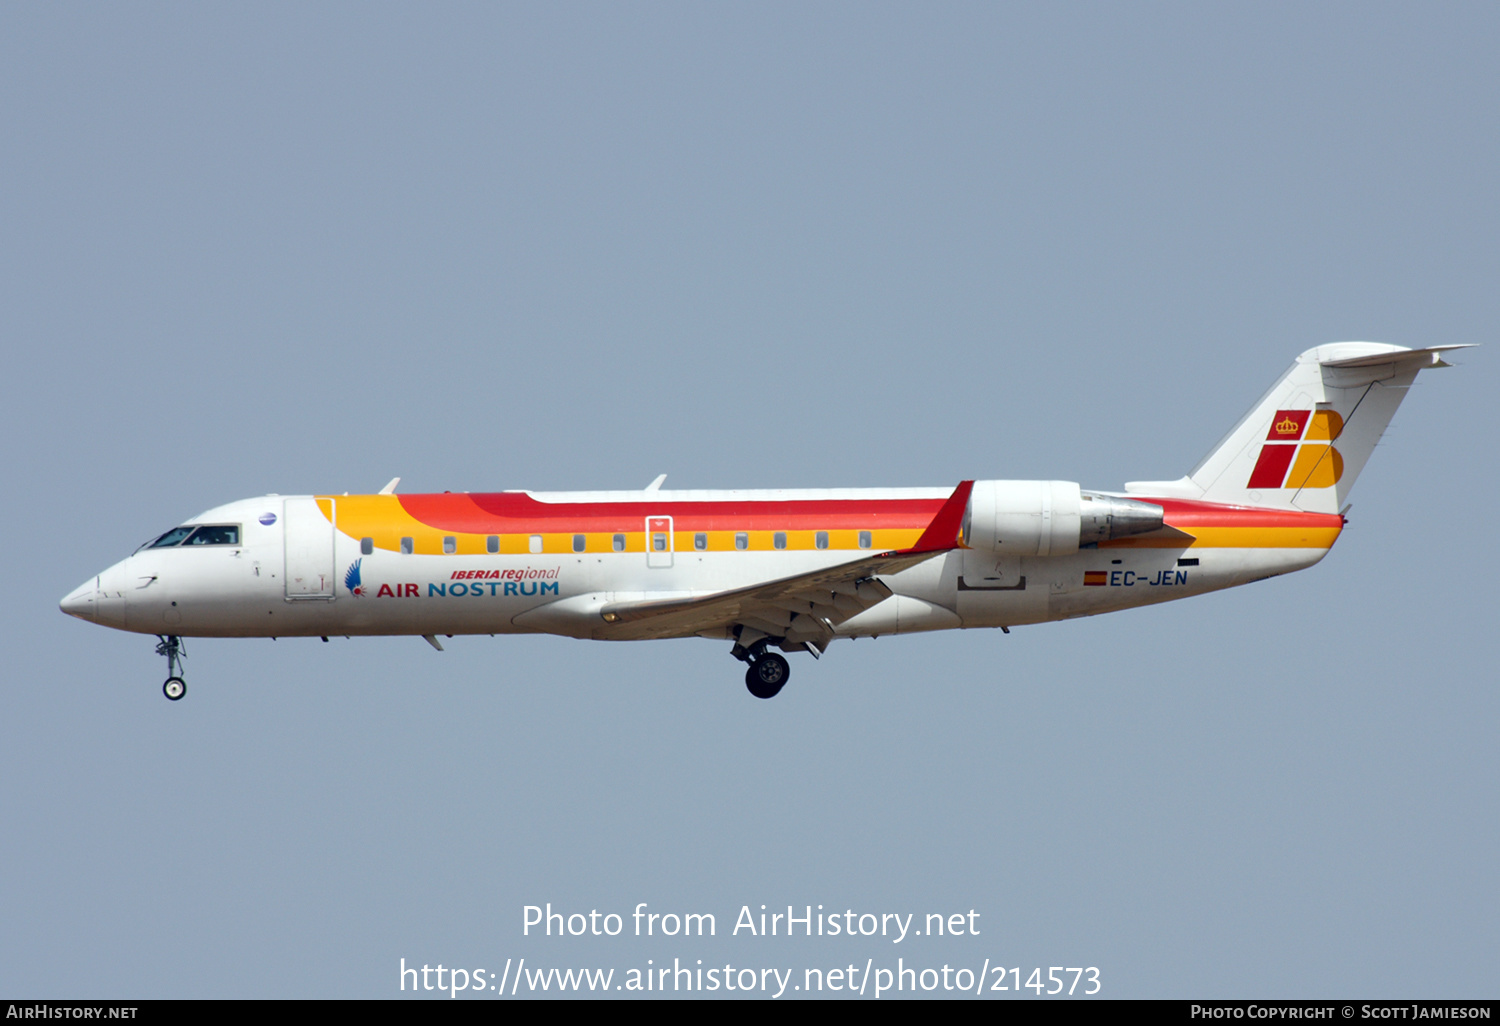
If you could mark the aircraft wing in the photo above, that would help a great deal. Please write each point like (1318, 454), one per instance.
(805, 607)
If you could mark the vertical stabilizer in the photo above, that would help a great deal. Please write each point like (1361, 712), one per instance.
(1304, 443)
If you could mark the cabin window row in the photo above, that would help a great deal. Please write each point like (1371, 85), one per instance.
(617, 543)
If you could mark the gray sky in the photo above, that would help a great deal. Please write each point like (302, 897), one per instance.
(306, 248)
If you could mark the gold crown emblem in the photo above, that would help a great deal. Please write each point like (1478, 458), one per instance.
(1287, 426)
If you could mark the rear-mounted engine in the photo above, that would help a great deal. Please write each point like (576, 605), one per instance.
(1050, 518)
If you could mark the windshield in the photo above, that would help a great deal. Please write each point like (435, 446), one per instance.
(171, 538)
(194, 534)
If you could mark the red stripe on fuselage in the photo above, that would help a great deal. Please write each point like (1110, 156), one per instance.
(1189, 513)
(518, 513)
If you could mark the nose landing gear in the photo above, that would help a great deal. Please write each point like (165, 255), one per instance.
(171, 646)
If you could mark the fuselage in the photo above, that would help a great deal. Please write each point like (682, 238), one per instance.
(519, 562)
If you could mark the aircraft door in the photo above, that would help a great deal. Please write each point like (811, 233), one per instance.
(659, 541)
(309, 549)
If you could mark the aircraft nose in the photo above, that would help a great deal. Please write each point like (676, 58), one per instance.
(100, 600)
(82, 601)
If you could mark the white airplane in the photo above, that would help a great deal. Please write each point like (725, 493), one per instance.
(791, 570)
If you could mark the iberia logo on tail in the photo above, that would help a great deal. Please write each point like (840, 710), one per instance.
(1290, 460)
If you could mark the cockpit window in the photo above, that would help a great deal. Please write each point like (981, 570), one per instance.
(208, 534)
(171, 538)
(215, 534)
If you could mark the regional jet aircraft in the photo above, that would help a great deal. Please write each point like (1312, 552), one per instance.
(770, 571)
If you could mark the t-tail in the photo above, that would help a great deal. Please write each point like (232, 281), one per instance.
(1304, 443)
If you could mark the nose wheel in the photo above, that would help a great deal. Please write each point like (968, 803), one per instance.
(171, 646)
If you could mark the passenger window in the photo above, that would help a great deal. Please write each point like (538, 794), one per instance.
(406, 546)
(492, 544)
(216, 535)
(172, 537)
(450, 545)
(366, 546)
(864, 539)
(580, 542)
(741, 540)
(618, 543)
(659, 542)
(779, 539)
(821, 539)
(700, 541)
(536, 543)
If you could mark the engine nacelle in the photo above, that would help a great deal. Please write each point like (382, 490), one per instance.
(1049, 518)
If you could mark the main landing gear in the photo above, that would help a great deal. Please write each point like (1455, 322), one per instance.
(171, 646)
(768, 671)
(767, 674)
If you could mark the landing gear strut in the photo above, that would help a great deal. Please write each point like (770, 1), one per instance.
(171, 646)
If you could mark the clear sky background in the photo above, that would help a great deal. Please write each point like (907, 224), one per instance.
(297, 248)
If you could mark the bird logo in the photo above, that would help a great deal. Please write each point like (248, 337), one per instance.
(351, 579)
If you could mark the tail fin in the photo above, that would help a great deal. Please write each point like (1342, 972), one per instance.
(1304, 443)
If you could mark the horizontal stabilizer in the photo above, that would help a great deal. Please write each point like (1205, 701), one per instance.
(1432, 356)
